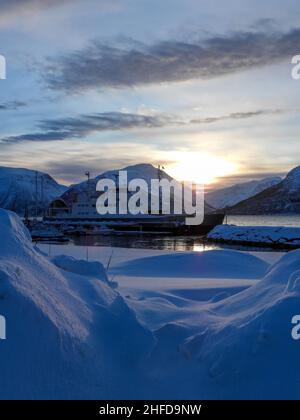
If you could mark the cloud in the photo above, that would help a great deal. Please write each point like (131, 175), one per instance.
(80, 127)
(236, 116)
(26, 8)
(12, 106)
(72, 170)
(9, 6)
(20, 11)
(133, 64)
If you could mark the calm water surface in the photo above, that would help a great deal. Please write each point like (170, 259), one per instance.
(184, 243)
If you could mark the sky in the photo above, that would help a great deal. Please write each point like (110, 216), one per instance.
(202, 89)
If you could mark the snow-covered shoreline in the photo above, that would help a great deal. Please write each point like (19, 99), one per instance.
(212, 325)
(263, 236)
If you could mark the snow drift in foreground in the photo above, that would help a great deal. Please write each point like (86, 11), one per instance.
(68, 335)
(268, 235)
(71, 335)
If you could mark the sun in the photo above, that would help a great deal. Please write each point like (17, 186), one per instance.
(201, 168)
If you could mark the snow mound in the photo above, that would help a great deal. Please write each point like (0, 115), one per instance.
(12, 230)
(246, 344)
(281, 271)
(217, 264)
(68, 336)
(84, 268)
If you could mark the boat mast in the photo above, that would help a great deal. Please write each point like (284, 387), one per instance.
(36, 194)
(160, 167)
(42, 195)
(159, 173)
(88, 175)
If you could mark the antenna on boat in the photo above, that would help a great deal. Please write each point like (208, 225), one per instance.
(88, 175)
(160, 168)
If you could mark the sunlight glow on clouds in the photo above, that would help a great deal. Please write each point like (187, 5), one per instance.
(201, 168)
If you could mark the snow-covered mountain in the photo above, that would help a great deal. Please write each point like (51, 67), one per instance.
(280, 199)
(143, 171)
(18, 189)
(227, 197)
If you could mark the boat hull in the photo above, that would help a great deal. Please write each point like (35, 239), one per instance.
(159, 224)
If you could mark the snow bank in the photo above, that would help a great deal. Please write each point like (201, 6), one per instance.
(68, 336)
(84, 268)
(246, 344)
(259, 235)
(231, 347)
(216, 264)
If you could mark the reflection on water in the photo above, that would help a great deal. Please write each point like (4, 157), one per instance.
(171, 243)
(185, 243)
(164, 243)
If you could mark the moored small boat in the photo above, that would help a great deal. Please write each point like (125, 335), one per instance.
(41, 232)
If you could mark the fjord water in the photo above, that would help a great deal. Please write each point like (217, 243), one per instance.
(184, 243)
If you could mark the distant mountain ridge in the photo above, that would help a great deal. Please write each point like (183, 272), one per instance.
(267, 196)
(230, 196)
(282, 198)
(18, 189)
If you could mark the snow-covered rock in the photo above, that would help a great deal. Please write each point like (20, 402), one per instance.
(274, 236)
(18, 189)
(227, 197)
(282, 198)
